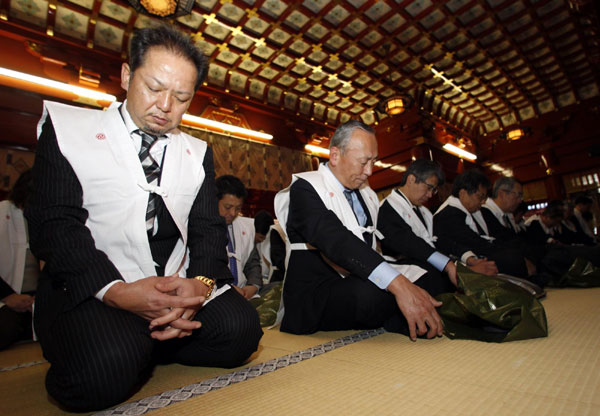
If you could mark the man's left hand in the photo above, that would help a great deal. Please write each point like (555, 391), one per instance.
(450, 269)
(178, 322)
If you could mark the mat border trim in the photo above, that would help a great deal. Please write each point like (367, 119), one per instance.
(168, 398)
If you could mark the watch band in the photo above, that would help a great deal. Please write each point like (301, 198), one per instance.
(210, 283)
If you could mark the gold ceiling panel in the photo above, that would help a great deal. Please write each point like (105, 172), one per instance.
(480, 65)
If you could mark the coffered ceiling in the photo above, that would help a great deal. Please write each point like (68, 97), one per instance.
(480, 65)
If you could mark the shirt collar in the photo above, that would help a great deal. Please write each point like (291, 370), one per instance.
(342, 187)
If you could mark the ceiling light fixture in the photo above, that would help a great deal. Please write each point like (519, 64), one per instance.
(395, 105)
(516, 134)
(49, 87)
(316, 150)
(163, 8)
(450, 148)
(212, 125)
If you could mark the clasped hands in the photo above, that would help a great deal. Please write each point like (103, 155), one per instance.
(168, 302)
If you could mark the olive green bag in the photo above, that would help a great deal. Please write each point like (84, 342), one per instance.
(492, 310)
(581, 274)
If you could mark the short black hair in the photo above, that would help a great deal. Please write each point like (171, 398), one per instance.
(470, 181)
(554, 210)
(229, 184)
(423, 169)
(583, 200)
(522, 208)
(263, 221)
(173, 40)
(21, 190)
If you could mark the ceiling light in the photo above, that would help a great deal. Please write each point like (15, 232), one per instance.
(163, 8)
(459, 152)
(395, 105)
(217, 126)
(33, 83)
(316, 150)
(515, 134)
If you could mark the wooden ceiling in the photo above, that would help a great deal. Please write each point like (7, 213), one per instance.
(474, 68)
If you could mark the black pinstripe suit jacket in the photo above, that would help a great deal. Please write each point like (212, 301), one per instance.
(59, 237)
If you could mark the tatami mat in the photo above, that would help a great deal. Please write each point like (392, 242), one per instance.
(26, 385)
(385, 374)
(389, 374)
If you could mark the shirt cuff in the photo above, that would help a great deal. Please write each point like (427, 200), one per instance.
(383, 275)
(466, 256)
(438, 260)
(102, 292)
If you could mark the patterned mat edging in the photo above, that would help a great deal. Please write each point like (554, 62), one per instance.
(187, 392)
(23, 365)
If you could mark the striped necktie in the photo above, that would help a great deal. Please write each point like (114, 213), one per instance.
(152, 171)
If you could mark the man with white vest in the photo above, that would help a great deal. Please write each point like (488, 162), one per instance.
(459, 220)
(244, 261)
(124, 216)
(335, 279)
(407, 225)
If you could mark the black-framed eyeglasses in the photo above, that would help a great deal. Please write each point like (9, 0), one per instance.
(431, 188)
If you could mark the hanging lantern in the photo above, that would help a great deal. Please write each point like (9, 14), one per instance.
(163, 8)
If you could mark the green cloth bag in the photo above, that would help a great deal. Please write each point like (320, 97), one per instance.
(491, 310)
(268, 305)
(581, 274)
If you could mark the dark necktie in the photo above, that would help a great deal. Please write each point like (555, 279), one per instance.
(232, 260)
(418, 212)
(152, 171)
(479, 229)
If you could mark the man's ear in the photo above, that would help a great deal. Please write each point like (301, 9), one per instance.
(125, 76)
(334, 155)
(411, 179)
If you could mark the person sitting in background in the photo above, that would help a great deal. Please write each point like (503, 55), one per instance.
(19, 269)
(507, 194)
(518, 217)
(244, 261)
(407, 225)
(459, 220)
(583, 209)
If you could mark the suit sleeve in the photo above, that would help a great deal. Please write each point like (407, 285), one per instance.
(253, 269)
(311, 222)
(207, 232)
(399, 238)
(454, 235)
(57, 231)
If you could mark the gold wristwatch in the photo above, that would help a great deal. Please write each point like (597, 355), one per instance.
(208, 282)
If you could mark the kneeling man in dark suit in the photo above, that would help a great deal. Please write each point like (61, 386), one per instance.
(335, 278)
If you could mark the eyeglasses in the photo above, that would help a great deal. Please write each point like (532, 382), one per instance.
(480, 196)
(431, 188)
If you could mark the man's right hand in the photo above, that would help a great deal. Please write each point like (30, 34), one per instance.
(483, 266)
(19, 303)
(418, 307)
(144, 299)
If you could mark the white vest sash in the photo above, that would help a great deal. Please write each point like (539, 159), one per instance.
(115, 191)
(406, 212)
(243, 235)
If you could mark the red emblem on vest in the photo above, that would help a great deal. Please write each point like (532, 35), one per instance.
(188, 152)
(100, 136)
(331, 194)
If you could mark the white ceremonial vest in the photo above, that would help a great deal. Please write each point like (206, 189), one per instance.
(264, 250)
(328, 189)
(13, 245)
(115, 191)
(243, 235)
(469, 218)
(405, 210)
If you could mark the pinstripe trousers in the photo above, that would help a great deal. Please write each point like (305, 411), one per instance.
(100, 355)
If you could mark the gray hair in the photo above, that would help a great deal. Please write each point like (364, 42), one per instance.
(423, 169)
(344, 132)
(504, 183)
